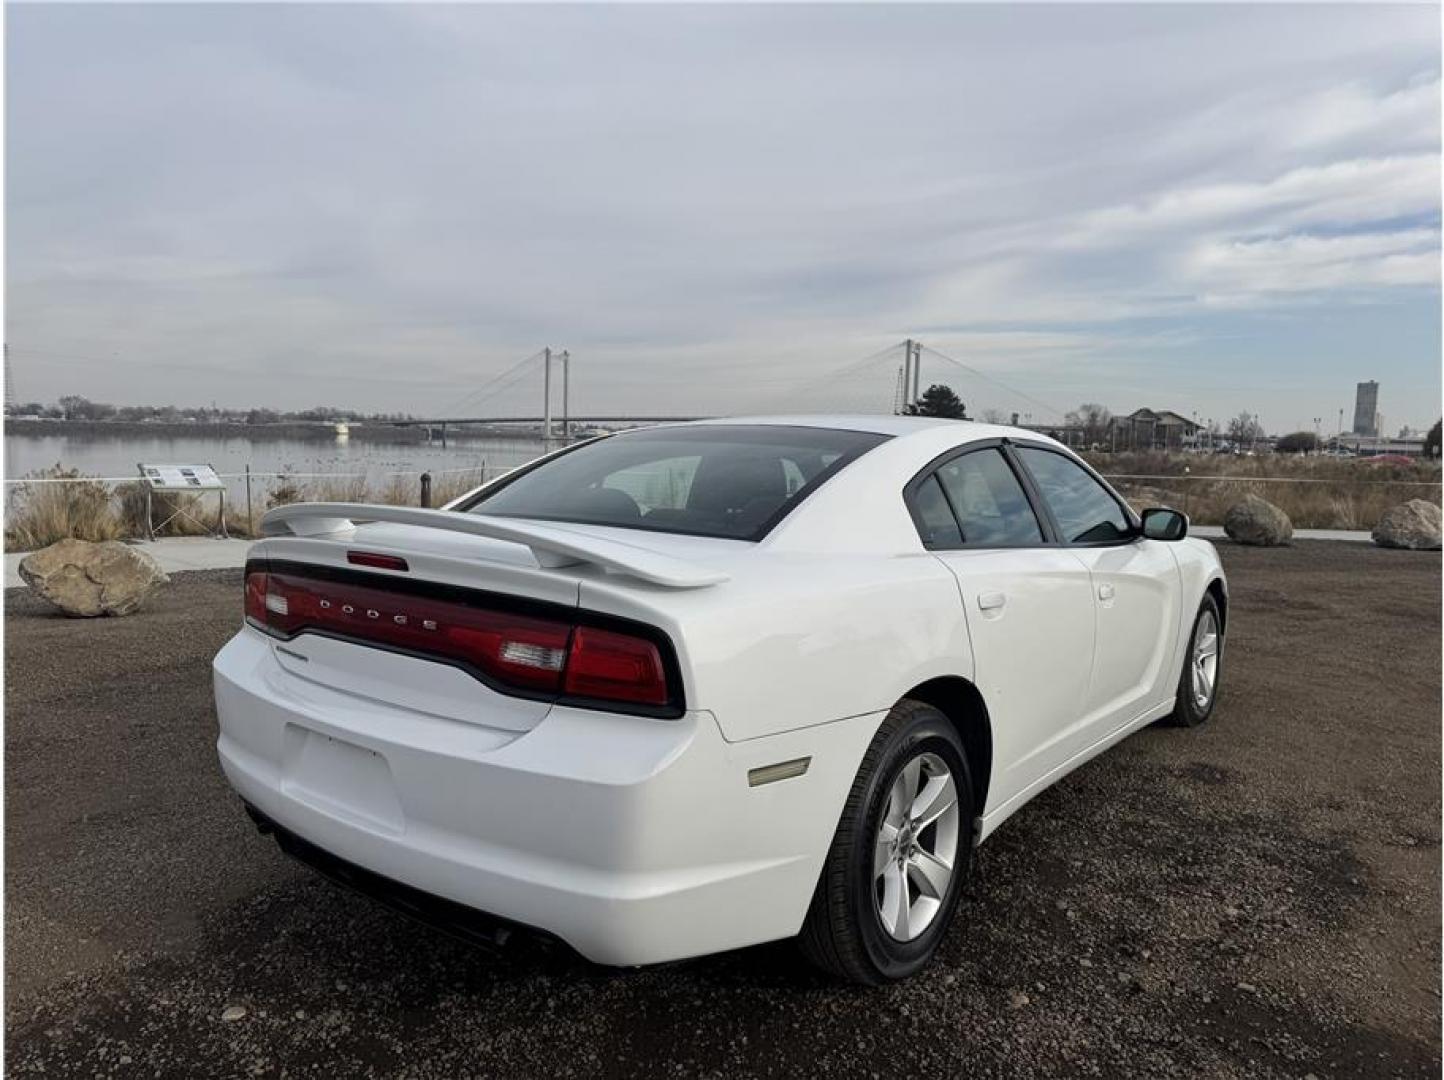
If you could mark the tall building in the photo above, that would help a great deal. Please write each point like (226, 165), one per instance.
(1366, 409)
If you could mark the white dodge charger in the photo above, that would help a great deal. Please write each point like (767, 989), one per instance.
(695, 687)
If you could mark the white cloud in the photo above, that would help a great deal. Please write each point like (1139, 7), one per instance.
(331, 195)
(1302, 263)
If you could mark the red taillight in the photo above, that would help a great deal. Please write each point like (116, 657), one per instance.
(523, 651)
(615, 667)
(256, 596)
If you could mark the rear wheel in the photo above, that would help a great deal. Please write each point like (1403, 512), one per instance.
(896, 865)
(1202, 666)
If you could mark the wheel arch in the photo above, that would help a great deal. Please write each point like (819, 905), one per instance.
(1219, 592)
(963, 705)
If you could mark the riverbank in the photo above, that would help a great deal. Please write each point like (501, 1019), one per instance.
(59, 505)
(119, 429)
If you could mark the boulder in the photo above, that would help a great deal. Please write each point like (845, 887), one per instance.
(1414, 524)
(1258, 522)
(85, 579)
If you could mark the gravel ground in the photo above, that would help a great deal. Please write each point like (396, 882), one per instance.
(1258, 897)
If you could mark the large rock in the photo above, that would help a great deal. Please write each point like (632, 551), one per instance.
(1258, 522)
(1415, 524)
(85, 579)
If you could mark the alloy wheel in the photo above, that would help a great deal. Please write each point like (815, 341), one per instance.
(916, 847)
(1205, 660)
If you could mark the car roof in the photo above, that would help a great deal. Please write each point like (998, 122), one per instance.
(881, 424)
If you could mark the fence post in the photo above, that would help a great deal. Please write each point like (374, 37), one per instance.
(426, 491)
(250, 519)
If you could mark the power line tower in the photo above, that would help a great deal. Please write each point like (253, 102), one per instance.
(9, 382)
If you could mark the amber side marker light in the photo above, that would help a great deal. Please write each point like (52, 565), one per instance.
(783, 770)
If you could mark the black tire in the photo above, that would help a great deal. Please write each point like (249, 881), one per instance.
(1186, 710)
(843, 933)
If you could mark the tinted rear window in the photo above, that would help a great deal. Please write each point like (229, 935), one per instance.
(731, 481)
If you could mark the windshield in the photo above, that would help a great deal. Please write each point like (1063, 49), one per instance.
(732, 481)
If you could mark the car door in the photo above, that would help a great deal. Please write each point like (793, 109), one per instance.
(1136, 588)
(1028, 606)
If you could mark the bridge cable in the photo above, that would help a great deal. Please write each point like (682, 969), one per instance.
(988, 378)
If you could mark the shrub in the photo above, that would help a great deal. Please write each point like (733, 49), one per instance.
(284, 490)
(183, 514)
(42, 513)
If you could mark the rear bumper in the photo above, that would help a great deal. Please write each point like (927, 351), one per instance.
(461, 922)
(633, 840)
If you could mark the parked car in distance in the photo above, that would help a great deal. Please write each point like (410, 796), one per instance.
(695, 687)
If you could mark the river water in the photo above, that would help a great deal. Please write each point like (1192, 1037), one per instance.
(117, 456)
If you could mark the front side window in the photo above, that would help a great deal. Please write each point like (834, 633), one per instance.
(1084, 510)
(990, 505)
(726, 480)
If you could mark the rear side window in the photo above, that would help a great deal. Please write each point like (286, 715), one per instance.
(1084, 510)
(989, 501)
(935, 518)
(725, 480)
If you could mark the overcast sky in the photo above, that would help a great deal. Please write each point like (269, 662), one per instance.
(1207, 208)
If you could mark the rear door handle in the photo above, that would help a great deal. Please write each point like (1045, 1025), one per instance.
(1105, 592)
(989, 601)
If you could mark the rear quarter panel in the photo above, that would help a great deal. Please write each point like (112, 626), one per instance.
(797, 640)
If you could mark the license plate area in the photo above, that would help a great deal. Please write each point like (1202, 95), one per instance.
(341, 779)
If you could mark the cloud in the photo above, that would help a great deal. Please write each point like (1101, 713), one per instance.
(1257, 269)
(708, 204)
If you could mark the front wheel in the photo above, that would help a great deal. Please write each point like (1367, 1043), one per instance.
(896, 865)
(1202, 666)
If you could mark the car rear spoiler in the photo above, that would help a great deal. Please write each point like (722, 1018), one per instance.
(551, 545)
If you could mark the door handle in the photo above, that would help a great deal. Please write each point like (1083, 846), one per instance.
(990, 601)
(1105, 592)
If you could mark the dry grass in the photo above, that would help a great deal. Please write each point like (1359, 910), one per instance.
(39, 514)
(1341, 494)
(1321, 493)
(182, 514)
(395, 489)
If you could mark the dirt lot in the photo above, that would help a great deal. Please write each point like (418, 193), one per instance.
(1258, 897)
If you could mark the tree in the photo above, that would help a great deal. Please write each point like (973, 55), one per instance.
(1093, 420)
(1297, 442)
(1431, 441)
(994, 416)
(74, 407)
(1244, 429)
(939, 400)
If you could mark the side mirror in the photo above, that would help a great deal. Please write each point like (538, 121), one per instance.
(1161, 523)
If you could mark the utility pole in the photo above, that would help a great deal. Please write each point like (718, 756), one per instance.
(9, 382)
(566, 396)
(547, 397)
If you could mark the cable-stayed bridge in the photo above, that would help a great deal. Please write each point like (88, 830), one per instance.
(538, 391)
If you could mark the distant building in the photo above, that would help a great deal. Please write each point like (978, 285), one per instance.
(1153, 429)
(1368, 445)
(1366, 409)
